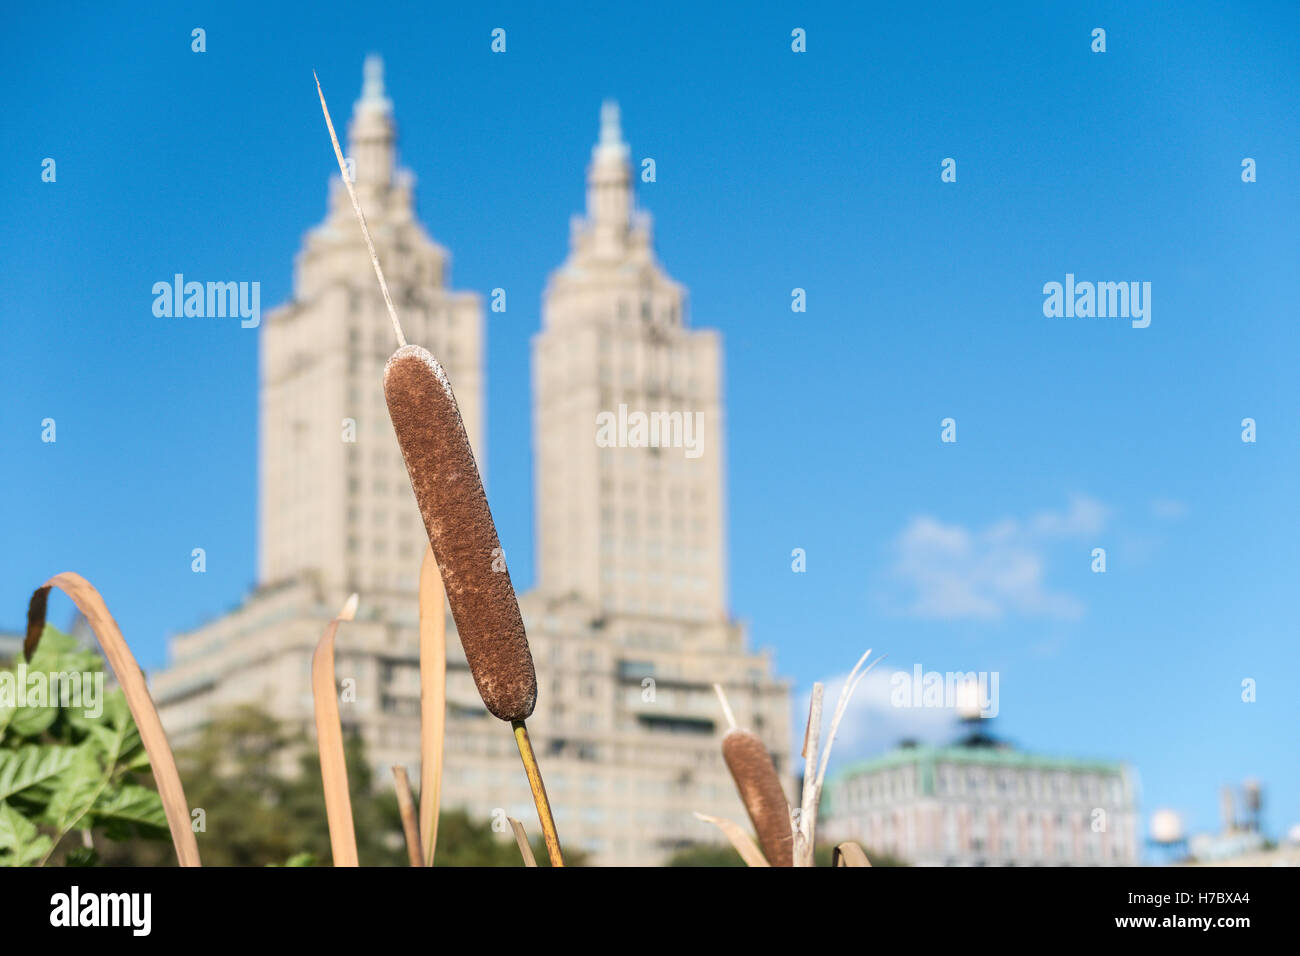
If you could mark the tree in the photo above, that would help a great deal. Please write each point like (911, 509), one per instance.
(253, 809)
(706, 854)
(258, 784)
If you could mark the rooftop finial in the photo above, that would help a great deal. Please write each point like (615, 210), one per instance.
(372, 86)
(610, 147)
(611, 132)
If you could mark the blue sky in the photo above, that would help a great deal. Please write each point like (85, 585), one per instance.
(775, 170)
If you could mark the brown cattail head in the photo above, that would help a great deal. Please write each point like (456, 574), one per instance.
(449, 491)
(760, 790)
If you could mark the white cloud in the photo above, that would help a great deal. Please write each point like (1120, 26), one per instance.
(1168, 509)
(949, 572)
(871, 724)
(1083, 517)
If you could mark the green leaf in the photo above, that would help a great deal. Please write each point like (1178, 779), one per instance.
(78, 787)
(112, 742)
(32, 766)
(298, 859)
(117, 710)
(132, 804)
(51, 648)
(114, 733)
(20, 842)
(82, 856)
(56, 653)
(138, 760)
(32, 721)
(114, 712)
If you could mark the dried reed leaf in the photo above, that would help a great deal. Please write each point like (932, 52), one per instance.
(406, 807)
(808, 728)
(131, 680)
(741, 840)
(849, 854)
(804, 833)
(433, 698)
(329, 740)
(846, 694)
(812, 796)
(814, 772)
(521, 837)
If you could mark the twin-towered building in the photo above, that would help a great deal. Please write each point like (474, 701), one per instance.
(628, 621)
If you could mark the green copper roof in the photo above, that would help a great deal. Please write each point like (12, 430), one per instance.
(927, 757)
(973, 756)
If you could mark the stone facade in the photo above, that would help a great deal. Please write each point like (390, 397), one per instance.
(984, 805)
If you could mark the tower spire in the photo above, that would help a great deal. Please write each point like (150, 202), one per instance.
(611, 145)
(372, 84)
(609, 191)
(372, 133)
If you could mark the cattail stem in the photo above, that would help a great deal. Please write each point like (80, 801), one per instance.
(539, 792)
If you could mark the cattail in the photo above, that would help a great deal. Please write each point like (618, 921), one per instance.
(455, 509)
(449, 491)
(760, 790)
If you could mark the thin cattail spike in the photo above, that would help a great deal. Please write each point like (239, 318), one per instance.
(726, 707)
(361, 217)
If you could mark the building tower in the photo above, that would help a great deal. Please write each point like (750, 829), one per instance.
(630, 541)
(628, 625)
(632, 529)
(334, 493)
(337, 513)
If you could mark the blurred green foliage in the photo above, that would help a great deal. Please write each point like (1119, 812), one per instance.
(71, 761)
(258, 784)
